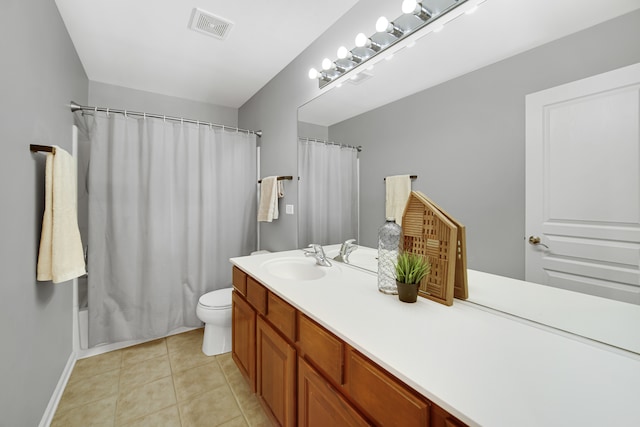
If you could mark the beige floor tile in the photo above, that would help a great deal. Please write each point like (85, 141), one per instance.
(242, 390)
(195, 381)
(144, 372)
(146, 399)
(98, 364)
(191, 339)
(236, 422)
(99, 413)
(80, 391)
(145, 351)
(256, 417)
(186, 358)
(226, 363)
(210, 409)
(168, 417)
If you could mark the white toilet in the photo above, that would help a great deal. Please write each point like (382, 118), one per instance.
(214, 309)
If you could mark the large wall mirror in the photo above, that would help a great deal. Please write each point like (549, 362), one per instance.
(452, 110)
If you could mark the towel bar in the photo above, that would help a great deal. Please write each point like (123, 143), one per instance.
(280, 178)
(45, 148)
(410, 177)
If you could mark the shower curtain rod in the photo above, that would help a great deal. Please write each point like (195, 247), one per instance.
(77, 107)
(359, 147)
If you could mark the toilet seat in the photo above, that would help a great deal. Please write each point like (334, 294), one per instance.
(216, 300)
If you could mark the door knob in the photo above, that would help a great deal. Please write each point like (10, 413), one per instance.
(535, 241)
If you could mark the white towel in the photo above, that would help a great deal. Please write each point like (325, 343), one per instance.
(270, 192)
(60, 257)
(398, 190)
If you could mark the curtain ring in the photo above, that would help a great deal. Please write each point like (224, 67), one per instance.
(164, 118)
(107, 111)
(144, 116)
(125, 114)
(198, 123)
(95, 110)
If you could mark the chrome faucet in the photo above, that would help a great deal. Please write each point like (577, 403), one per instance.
(345, 250)
(318, 253)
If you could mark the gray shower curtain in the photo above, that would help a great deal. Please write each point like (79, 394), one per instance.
(169, 204)
(327, 193)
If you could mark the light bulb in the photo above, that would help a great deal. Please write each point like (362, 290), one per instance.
(361, 40)
(343, 52)
(382, 24)
(313, 74)
(327, 64)
(409, 6)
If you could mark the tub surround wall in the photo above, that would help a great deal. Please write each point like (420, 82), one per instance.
(41, 73)
(465, 139)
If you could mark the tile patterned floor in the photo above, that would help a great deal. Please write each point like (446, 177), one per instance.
(163, 383)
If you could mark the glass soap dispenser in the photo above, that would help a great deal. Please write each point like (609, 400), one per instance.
(388, 246)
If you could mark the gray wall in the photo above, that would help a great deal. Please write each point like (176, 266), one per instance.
(313, 131)
(465, 139)
(274, 110)
(40, 74)
(107, 95)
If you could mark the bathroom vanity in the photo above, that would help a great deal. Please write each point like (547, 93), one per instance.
(321, 346)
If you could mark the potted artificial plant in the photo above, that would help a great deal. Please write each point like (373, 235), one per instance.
(410, 270)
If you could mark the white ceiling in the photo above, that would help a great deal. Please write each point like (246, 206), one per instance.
(497, 30)
(147, 45)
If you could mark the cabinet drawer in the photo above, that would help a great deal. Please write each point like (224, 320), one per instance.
(239, 280)
(382, 397)
(322, 348)
(282, 316)
(257, 295)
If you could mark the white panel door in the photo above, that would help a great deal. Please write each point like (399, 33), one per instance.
(583, 185)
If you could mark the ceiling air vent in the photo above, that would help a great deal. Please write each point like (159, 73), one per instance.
(207, 23)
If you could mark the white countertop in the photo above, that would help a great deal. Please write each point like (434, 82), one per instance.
(483, 367)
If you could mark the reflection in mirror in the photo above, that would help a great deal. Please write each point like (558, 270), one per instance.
(460, 125)
(327, 192)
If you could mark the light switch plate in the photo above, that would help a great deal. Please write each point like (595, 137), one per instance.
(289, 209)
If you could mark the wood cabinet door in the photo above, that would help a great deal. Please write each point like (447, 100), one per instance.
(276, 373)
(441, 418)
(243, 338)
(320, 405)
(381, 396)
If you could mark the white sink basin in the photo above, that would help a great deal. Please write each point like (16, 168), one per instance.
(295, 268)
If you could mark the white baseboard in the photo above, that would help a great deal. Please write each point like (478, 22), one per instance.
(57, 393)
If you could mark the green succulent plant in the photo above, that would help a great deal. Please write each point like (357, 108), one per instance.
(412, 268)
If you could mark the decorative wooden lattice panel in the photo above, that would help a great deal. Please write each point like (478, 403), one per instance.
(428, 232)
(461, 289)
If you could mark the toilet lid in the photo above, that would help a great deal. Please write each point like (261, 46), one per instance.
(217, 299)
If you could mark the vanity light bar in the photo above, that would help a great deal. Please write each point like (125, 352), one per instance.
(348, 60)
